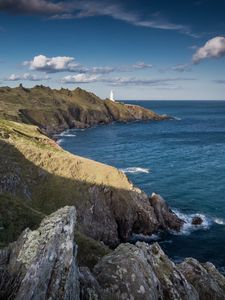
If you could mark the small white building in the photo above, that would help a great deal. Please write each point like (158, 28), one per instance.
(111, 97)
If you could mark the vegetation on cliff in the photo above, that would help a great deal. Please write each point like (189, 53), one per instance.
(56, 110)
(35, 172)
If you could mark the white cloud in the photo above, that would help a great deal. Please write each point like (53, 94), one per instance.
(68, 64)
(52, 64)
(121, 81)
(214, 48)
(142, 65)
(181, 68)
(26, 76)
(134, 81)
(80, 78)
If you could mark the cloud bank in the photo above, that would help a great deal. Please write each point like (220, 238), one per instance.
(68, 64)
(83, 9)
(214, 48)
(121, 81)
(26, 76)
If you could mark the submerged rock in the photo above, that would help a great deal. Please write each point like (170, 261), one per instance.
(42, 263)
(196, 220)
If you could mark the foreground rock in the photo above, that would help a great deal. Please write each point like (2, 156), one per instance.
(208, 282)
(42, 263)
(142, 271)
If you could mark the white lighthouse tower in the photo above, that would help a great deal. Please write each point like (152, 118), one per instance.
(111, 97)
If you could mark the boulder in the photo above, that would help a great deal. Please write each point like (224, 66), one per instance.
(141, 272)
(196, 220)
(208, 282)
(42, 263)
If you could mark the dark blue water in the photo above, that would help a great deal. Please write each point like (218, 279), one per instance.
(185, 159)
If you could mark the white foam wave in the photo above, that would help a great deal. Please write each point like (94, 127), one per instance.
(177, 119)
(219, 221)
(144, 238)
(188, 227)
(60, 141)
(135, 170)
(67, 133)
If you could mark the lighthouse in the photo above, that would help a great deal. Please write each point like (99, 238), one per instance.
(111, 97)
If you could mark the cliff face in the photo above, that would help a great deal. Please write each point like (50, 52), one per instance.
(36, 173)
(42, 264)
(56, 110)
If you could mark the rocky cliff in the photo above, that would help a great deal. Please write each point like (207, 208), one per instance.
(56, 110)
(97, 208)
(39, 177)
(42, 264)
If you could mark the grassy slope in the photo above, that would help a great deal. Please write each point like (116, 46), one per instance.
(34, 168)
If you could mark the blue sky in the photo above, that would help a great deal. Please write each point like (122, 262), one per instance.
(140, 49)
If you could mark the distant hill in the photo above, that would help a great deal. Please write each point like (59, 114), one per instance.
(56, 110)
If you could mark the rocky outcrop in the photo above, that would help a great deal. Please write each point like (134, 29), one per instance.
(166, 217)
(56, 110)
(42, 263)
(143, 271)
(208, 282)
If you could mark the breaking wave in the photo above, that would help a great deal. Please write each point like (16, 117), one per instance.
(144, 238)
(177, 119)
(135, 170)
(188, 227)
(60, 141)
(219, 221)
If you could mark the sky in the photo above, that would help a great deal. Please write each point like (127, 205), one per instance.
(142, 50)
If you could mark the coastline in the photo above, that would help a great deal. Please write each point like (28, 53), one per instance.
(106, 208)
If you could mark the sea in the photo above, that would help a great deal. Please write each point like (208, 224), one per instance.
(182, 159)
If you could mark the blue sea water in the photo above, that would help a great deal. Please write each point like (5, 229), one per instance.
(183, 160)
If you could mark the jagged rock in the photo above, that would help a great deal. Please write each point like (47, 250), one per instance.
(44, 260)
(208, 282)
(166, 217)
(196, 220)
(126, 274)
(141, 272)
(89, 287)
(173, 282)
(42, 264)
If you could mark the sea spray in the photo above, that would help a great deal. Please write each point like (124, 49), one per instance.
(135, 170)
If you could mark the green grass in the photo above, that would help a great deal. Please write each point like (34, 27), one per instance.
(15, 216)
